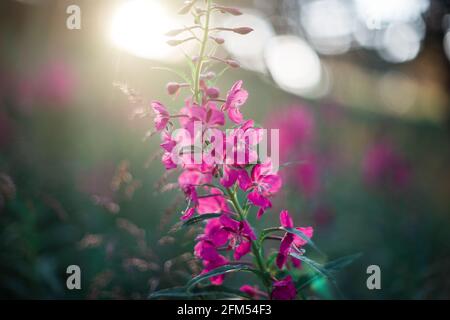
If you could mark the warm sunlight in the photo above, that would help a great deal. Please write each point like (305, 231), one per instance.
(138, 27)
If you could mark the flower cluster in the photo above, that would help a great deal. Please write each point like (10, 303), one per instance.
(230, 170)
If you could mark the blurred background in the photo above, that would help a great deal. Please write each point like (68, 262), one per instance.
(359, 89)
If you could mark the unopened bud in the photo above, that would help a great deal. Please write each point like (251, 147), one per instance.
(213, 92)
(209, 75)
(218, 40)
(233, 11)
(174, 32)
(172, 88)
(232, 63)
(175, 42)
(242, 30)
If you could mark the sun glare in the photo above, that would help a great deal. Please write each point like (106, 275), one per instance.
(138, 27)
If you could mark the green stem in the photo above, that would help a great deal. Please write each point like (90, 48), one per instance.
(255, 247)
(199, 65)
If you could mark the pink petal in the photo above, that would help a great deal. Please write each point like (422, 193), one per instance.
(241, 250)
(286, 220)
(235, 115)
(258, 200)
(188, 214)
(308, 231)
(244, 180)
(229, 177)
(283, 252)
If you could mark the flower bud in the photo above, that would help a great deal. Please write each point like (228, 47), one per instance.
(174, 32)
(213, 92)
(172, 88)
(232, 63)
(218, 40)
(209, 75)
(175, 42)
(233, 11)
(242, 30)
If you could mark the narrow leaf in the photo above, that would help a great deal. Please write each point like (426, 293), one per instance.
(194, 220)
(314, 265)
(304, 237)
(331, 267)
(219, 271)
(208, 291)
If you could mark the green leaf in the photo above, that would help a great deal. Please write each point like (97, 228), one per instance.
(340, 263)
(304, 237)
(221, 270)
(194, 220)
(331, 267)
(313, 264)
(208, 291)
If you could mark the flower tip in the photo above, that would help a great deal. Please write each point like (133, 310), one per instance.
(242, 30)
(209, 75)
(172, 88)
(213, 92)
(218, 40)
(174, 32)
(173, 43)
(232, 63)
(230, 10)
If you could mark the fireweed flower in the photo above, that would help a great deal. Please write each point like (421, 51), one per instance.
(240, 235)
(290, 241)
(236, 97)
(284, 289)
(262, 184)
(161, 115)
(241, 143)
(214, 183)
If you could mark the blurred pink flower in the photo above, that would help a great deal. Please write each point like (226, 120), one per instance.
(383, 165)
(297, 127)
(55, 82)
(307, 175)
(6, 129)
